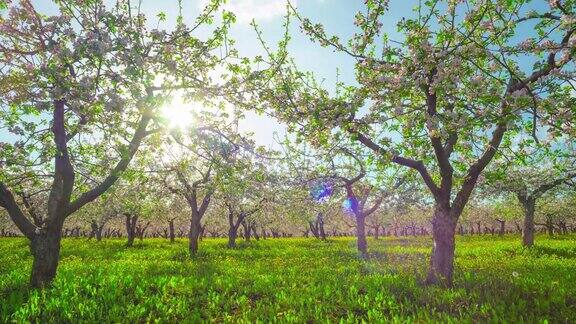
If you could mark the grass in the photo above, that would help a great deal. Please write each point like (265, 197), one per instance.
(293, 280)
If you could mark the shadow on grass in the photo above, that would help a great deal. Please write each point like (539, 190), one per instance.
(101, 250)
(540, 251)
(560, 237)
(13, 297)
(240, 245)
(183, 255)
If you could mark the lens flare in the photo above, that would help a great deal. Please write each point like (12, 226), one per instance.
(321, 192)
(350, 205)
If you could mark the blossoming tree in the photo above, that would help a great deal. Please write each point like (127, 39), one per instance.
(439, 99)
(195, 160)
(79, 93)
(531, 169)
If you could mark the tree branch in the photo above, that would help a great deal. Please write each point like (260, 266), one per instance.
(8, 202)
(414, 164)
(63, 182)
(545, 187)
(120, 167)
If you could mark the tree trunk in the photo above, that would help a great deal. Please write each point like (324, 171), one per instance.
(232, 234)
(376, 232)
(255, 233)
(502, 226)
(45, 249)
(130, 240)
(94, 229)
(361, 235)
(550, 227)
(528, 206)
(171, 231)
(131, 228)
(99, 233)
(314, 229)
(321, 232)
(193, 236)
(202, 235)
(518, 227)
(247, 230)
(141, 231)
(442, 258)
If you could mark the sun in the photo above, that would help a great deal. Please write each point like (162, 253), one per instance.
(178, 112)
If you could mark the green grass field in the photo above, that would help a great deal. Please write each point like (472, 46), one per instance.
(293, 280)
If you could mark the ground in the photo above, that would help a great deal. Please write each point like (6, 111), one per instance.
(293, 280)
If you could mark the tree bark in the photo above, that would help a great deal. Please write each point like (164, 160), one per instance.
(317, 227)
(442, 258)
(321, 231)
(502, 226)
(549, 227)
(314, 229)
(94, 229)
(45, 249)
(528, 206)
(171, 231)
(193, 236)
(247, 230)
(141, 231)
(99, 233)
(202, 232)
(232, 234)
(361, 235)
(518, 227)
(131, 228)
(234, 225)
(255, 233)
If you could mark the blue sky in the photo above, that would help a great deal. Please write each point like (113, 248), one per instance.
(336, 15)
